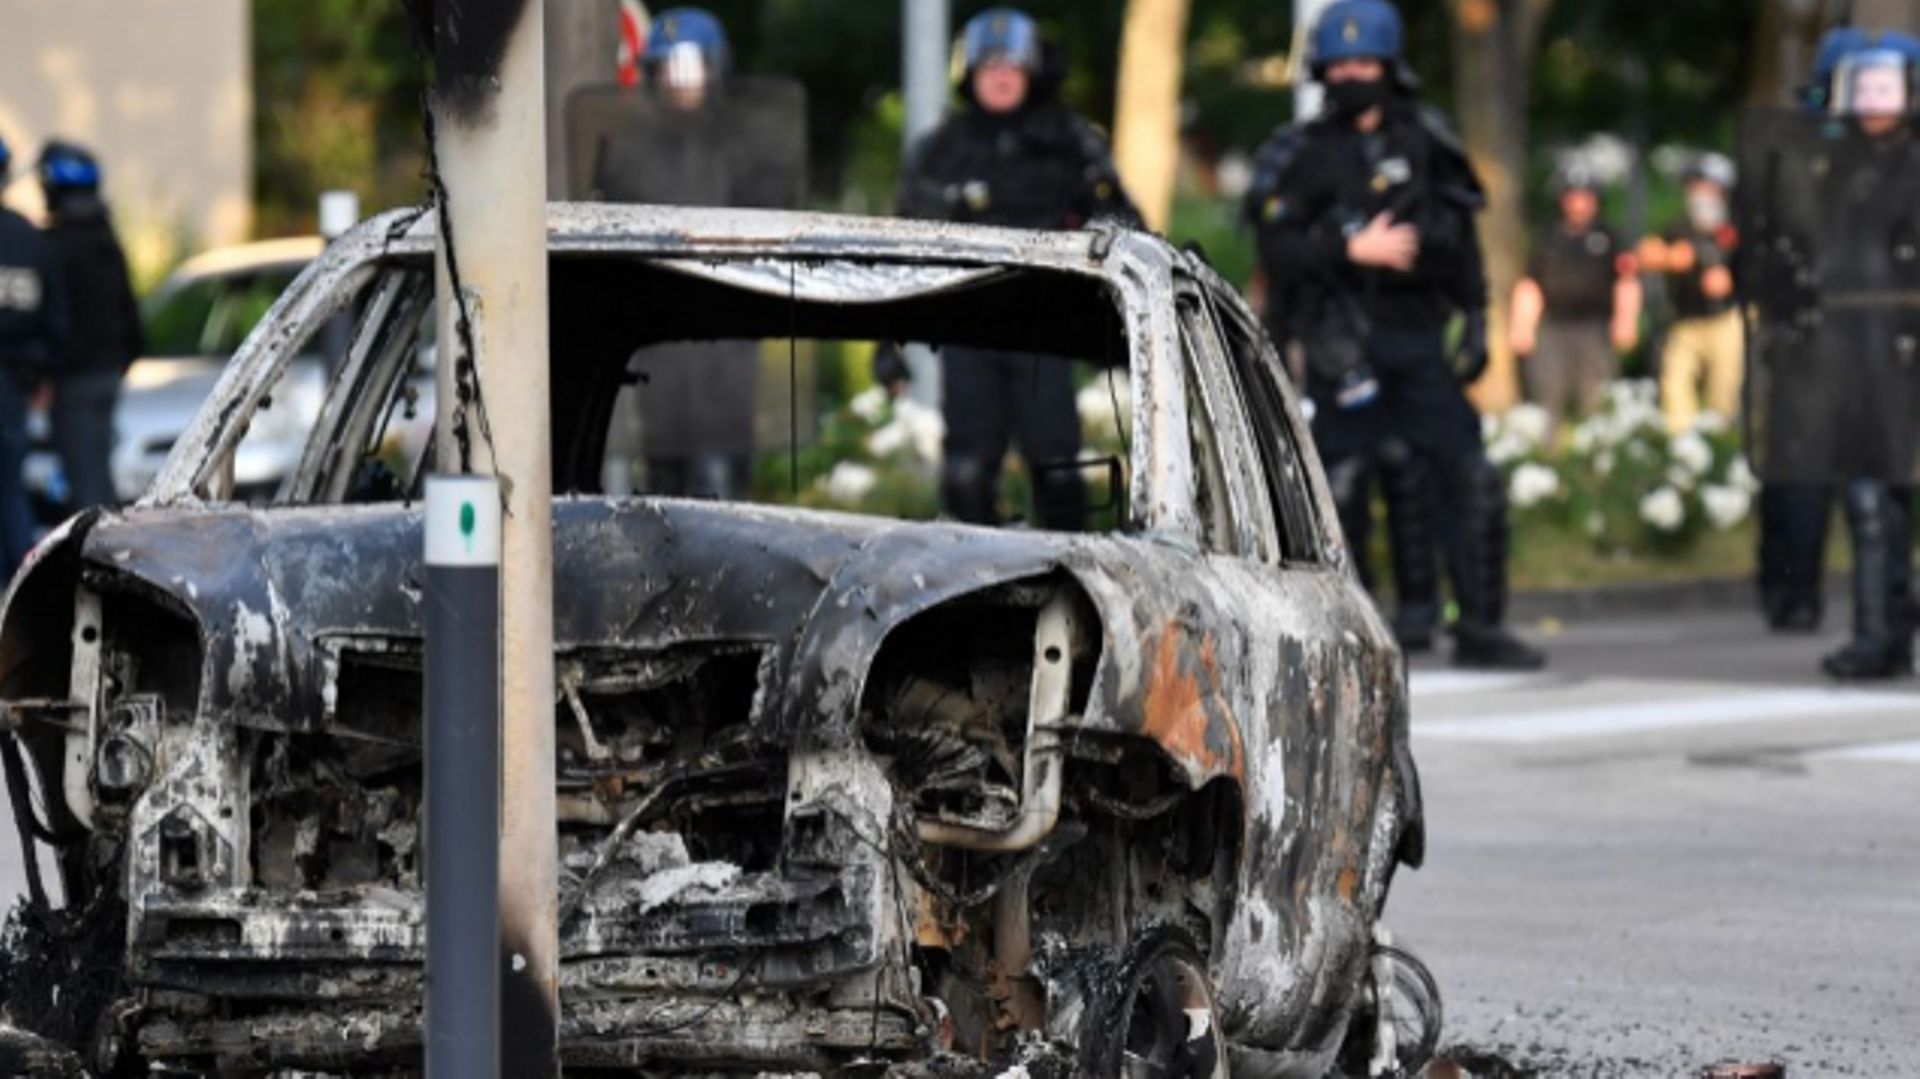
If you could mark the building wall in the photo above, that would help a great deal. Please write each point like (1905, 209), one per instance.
(160, 89)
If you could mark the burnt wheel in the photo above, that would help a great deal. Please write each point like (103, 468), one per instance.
(1160, 1019)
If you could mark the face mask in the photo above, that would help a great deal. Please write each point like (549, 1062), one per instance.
(1706, 212)
(1350, 99)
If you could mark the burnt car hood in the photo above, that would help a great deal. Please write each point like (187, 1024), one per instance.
(277, 593)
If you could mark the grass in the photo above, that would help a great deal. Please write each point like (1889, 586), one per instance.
(1549, 559)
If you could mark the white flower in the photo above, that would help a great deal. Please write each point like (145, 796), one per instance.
(1692, 453)
(1664, 509)
(1097, 400)
(1533, 484)
(1725, 506)
(1740, 475)
(1585, 437)
(1596, 524)
(1679, 478)
(1529, 422)
(926, 428)
(1603, 464)
(870, 404)
(851, 482)
(915, 429)
(1506, 449)
(890, 439)
(1631, 406)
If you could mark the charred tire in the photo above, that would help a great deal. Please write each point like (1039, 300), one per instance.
(1412, 998)
(1159, 1013)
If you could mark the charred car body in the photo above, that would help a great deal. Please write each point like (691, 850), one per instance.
(836, 791)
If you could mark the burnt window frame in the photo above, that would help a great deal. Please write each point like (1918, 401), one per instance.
(1255, 370)
(1251, 530)
(378, 365)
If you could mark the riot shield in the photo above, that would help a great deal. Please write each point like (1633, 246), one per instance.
(1830, 284)
(746, 146)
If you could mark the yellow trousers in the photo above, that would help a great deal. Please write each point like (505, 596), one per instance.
(1702, 367)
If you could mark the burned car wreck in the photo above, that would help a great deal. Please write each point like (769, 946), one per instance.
(838, 793)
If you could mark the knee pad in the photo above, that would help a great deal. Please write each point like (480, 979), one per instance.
(967, 488)
(1347, 480)
(1060, 500)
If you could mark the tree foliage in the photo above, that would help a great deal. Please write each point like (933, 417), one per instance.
(337, 92)
(338, 83)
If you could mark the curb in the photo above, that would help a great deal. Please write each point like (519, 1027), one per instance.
(1651, 597)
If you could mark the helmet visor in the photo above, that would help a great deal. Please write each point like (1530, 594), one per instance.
(685, 68)
(1873, 84)
(1002, 36)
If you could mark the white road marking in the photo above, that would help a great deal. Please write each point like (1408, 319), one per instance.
(1687, 712)
(1432, 685)
(1878, 753)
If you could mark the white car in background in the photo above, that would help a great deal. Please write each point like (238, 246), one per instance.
(195, 322)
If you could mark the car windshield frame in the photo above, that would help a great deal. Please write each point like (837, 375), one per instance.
(1135, 271)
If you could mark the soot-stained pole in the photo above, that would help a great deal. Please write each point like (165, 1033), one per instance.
(489, 116)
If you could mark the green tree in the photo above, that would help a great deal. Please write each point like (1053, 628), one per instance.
(337, 88)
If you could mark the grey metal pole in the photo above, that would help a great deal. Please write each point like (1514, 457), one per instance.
(1307, 94)
(488, 104)
(927, 34)
(462, 835)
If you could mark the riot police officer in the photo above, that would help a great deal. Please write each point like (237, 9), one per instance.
(33, 328)
(106, 337)
(1793, 516)
(697, 400)
(1835, 397)
(1365, 226)
(1013, 155)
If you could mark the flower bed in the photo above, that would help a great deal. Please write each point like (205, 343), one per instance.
(1620, 480)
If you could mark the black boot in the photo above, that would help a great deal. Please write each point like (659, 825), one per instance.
(1882, 647)
(1475, 502)
(1793, 542)
(969, 489)
(1407, 482)
(1493, 648)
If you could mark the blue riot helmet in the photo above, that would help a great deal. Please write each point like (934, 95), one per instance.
(1004, 34)
(682, 32)
(1817, 94)
(1358, 30)
(1896, 41)
(65, 167)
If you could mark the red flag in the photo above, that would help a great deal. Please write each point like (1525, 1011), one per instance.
(634, 26)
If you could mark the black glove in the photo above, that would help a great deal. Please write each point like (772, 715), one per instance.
(1340, 360)
(973, 196)
(1470, 358)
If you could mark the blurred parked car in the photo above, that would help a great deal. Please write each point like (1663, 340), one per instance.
(195, 322)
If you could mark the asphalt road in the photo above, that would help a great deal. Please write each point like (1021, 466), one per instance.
(1677, 847)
